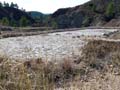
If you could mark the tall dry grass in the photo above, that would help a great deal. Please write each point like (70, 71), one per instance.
(34, 74)
(100, 54)
(97, 69)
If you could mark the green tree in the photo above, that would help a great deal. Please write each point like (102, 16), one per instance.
(14, 5)
(86, 21)
(54, 24)
(110, 11)
(1, 5)
(92, 7)
(13, 23)
(6, 4)
(5, 21)
(23, 21)
(12, 20)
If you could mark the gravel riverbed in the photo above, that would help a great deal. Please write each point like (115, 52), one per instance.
(51, 46)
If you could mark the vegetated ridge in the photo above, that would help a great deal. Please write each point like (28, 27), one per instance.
(40, 18)
(11, 15)
(92, 13)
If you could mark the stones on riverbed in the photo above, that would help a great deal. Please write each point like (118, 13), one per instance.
(51, 46)
(76, 36)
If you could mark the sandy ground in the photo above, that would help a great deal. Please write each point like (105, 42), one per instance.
(52, 46)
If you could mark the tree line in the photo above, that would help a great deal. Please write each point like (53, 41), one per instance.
(11, 21)
(22, 22)
(5, 4)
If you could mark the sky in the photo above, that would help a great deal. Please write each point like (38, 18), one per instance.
(45, 6)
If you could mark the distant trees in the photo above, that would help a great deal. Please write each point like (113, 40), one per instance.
(92, 7)
(22, 9)
(86, 21)
(1, 5)
(13, 5)
(5, 21)
(110, 11)
(13, 23)
(12, 20)
(54, 24)
(6, 4)
(23, 21)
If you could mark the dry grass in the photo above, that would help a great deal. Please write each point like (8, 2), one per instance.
(115, 35)
(100, 63)
(34, 74)
(100, 54)
(97, 69)
(17, 76)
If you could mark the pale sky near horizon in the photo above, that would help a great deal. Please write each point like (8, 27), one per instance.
(45, 6)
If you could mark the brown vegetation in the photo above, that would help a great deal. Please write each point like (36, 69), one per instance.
(115, 35)
(97, 69)
(98, 54)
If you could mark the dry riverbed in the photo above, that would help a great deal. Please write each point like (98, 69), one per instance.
(52, 46)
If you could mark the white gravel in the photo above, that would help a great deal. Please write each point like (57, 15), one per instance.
(53, 46)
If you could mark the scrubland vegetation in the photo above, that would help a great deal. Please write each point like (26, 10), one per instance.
(97, 69)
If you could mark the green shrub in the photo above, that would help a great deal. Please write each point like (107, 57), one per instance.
(23, 21)
(110, 10)
(5, 21)
(86, 21)
(92, 7)
(54, 24)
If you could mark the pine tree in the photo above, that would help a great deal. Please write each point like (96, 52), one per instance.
(5, 21)
(16, 6)
(23, 21)
(12, 5)
(110, 10)
(6, 4)
(1, 5)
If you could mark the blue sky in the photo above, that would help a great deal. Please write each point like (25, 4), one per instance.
(46, 6)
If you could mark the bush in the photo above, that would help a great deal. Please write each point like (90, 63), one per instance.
(110, 11)
(86, 21)
(23, 21)
(54, 24)
(92, 7)
(1, 5)
(5, 21)
(98, 54)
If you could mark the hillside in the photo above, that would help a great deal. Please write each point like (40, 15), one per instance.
(14, 15)
(36, 14)
(92, 13)
(39, 17)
